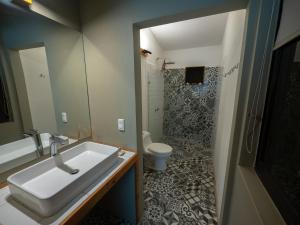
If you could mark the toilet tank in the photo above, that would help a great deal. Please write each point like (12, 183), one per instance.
(146, 139)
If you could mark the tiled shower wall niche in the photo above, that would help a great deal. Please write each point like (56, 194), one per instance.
(189, 109)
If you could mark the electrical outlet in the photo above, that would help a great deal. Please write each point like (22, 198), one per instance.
(64, 117)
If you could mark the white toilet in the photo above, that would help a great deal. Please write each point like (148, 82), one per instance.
(155, 154)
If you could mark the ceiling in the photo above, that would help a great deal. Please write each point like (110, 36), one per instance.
(192, 33)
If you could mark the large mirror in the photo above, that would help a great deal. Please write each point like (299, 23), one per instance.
(43, 89)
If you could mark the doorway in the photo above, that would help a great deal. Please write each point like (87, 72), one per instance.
(193, 115)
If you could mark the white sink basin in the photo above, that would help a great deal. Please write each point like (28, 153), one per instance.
(45, 188)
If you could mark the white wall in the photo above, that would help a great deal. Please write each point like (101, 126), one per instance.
(150, 63)
(201, 56)
(149, 42)
(39, 91)
(232, 45)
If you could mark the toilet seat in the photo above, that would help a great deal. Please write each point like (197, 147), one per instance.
(159, 149)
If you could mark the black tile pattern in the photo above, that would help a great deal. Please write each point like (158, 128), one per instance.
(184, 193)
(189, 109)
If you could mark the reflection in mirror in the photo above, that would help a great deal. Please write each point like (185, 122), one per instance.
(43, 88)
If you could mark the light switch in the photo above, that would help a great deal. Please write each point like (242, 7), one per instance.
(64, 117)
(121, 124)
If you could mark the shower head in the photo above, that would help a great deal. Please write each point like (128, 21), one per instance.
(166, 63)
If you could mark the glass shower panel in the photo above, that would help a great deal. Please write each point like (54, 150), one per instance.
(155, 101)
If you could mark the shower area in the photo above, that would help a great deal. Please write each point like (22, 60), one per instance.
(189, 73)
(182, 115)
(179, 101)
(173, 108)
(189, 109)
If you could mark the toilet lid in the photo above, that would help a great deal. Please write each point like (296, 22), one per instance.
(160, 148)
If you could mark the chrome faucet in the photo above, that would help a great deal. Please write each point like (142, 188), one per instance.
(54, 141)
(37, 140)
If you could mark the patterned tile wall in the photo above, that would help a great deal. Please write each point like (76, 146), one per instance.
(189, 109)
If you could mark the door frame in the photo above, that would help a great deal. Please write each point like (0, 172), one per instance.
(138, 99)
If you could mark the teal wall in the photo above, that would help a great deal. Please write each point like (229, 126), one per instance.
(120, 200)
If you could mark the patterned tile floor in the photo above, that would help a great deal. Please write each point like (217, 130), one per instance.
(182, 195)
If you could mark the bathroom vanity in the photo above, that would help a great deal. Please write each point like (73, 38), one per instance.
(74, 209)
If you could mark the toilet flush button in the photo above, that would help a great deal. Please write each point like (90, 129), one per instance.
(121, 124)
